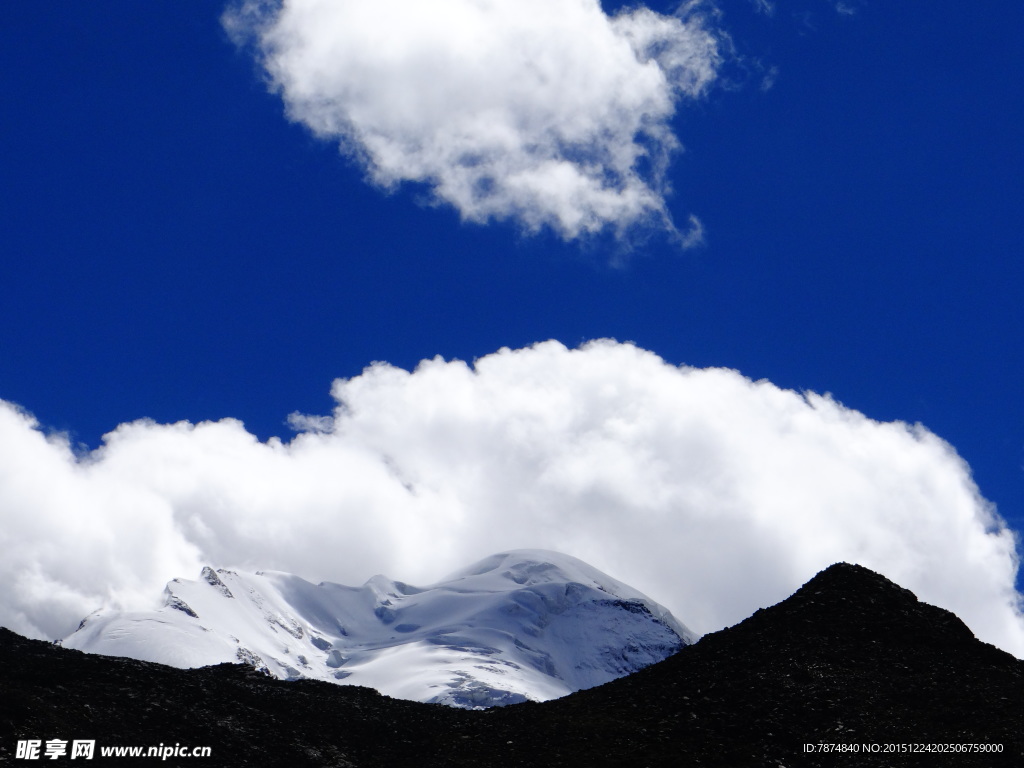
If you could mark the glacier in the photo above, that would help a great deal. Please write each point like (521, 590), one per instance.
(523, 625)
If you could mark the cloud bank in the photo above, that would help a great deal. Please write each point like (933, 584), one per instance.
(712, 493)
(549, 113)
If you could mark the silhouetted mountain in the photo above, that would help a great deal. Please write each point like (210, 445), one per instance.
(849, 659)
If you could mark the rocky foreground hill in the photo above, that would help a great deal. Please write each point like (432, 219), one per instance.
(851, 661)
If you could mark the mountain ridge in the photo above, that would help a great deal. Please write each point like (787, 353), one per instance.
(849, 659)
(521, 625)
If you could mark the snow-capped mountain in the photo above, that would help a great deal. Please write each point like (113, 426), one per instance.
(516, 626)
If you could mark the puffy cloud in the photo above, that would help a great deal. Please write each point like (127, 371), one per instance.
(76, 532)
(546, 112)
(712, 493)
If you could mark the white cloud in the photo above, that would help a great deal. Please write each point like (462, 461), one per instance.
(694, 236)
(714, 494)
(549, 113)
(845, 7)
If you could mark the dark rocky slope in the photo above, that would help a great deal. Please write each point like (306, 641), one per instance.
(850, 658)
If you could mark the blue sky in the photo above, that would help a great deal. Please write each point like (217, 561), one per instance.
(174, 248)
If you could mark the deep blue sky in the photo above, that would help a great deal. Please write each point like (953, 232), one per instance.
(173, 248)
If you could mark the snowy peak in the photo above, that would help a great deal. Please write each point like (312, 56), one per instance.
(516, 626)
(210, 577)
(528, 568)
